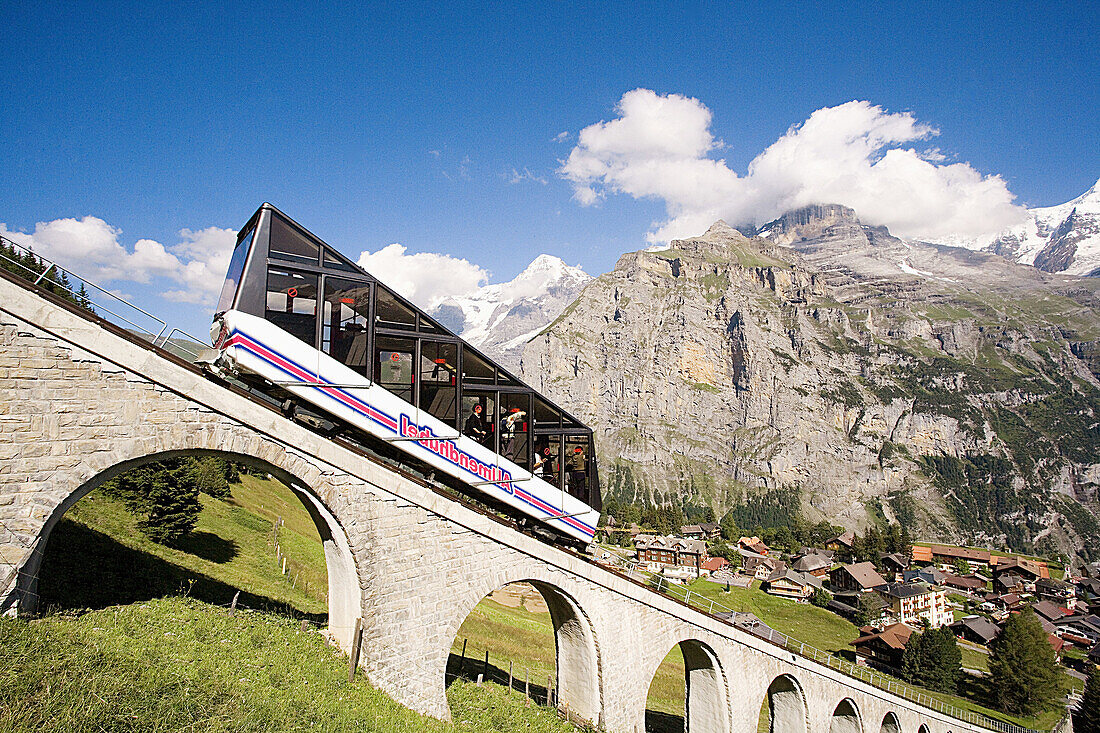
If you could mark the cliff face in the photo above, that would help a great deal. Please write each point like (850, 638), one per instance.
(870, 377)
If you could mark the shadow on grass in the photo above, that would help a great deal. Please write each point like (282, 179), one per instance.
(86, 569)
(469, 669)
(208, 546)
(658, 722)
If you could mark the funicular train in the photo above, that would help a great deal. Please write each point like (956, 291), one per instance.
(301, 322)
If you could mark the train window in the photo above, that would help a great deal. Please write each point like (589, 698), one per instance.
(478, 424)
(345, 328)
(545, 415)
(515, 420)
(438, 379)
(475, 369)
(503, 378)
(547, 465)
(389, 312)
(236, 269)
(428, 327)
(292, 303)
(335, 262)
(578, 454)
(395, 365)
(287, 243)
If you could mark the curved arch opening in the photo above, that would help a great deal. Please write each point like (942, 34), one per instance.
(846, 718)
(687, 692)
(783, 709)
(101, 534)
(890, 724)
(923, 728)
(534, 636)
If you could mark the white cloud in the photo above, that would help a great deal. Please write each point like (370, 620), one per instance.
(660, 146)
(562, 136)
(425, 278)
(90, 248)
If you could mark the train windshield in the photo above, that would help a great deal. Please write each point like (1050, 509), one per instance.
(236, 268)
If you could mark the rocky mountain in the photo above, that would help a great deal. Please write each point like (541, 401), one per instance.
(1063, 238)
(500, 318)
(832, 368)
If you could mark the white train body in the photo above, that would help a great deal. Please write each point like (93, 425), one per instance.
(252, 344)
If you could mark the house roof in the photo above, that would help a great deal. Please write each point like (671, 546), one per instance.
(1020, 566)
(793, 576)
(662, 542)
(1049, 611)
(966, 582)
(894, 636)
(922, 553)
(979, 625)
(845, 538)
(903, 590)
(810, 563)
(897, 558)
(863, 573)
(715, 563)
(960, 553)
(930, 574)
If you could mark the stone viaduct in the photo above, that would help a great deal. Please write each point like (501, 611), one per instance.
(81, 401)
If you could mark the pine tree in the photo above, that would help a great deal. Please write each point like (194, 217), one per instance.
(166, 496)
(933, 659)
(1023, 668)
(1087, 717)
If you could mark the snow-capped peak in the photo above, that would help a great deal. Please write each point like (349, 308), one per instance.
(496, 316)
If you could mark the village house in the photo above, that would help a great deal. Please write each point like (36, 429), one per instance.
(977, 629)
(760, 567)
(930, 574)
(813, 564)
(1028, 570)
(964, 583)
(894, 563)
(883, 649)
(753, 544)
(842, 543)
(671, 552)
(911, 602)
(789, 583)
(715, 564)
(704, 531)
(946, 557)
(1056, 591)
(1049, 611)
(999, 605)
(861, 577)
(1084, 631)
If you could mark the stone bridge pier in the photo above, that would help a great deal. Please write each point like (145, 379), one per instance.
(81, 401)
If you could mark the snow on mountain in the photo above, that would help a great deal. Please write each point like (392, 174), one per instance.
(1063, 238)
(500, 318)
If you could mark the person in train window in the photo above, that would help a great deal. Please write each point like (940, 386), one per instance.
(578, 472)
(544, 464)
(508, 431)
(475, 426)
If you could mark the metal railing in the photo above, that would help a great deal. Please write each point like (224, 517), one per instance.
(100, 301)
(751, 624)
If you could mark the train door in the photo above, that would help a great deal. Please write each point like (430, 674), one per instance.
(514, 424)
(479, 416)
(394, 364)
(345, 323)
(439, 380)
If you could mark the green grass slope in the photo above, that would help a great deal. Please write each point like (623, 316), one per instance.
(97, 556)
(176, 664)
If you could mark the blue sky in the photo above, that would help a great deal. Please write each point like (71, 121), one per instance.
(440, 127)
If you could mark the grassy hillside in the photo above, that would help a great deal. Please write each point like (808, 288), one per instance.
(526, 638)
(177, 664)
(97, 556)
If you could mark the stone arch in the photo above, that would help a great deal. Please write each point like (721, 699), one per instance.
(706, 700)
(576, 651)
(787, 711)
(890, 723)
(846, 718)
(302, 477)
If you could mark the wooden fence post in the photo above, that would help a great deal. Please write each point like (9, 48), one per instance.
(356, 642)
(462, 659)
(485, 665)
(527, 683)
(549, 695)
(509, 677)
(233, 605)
